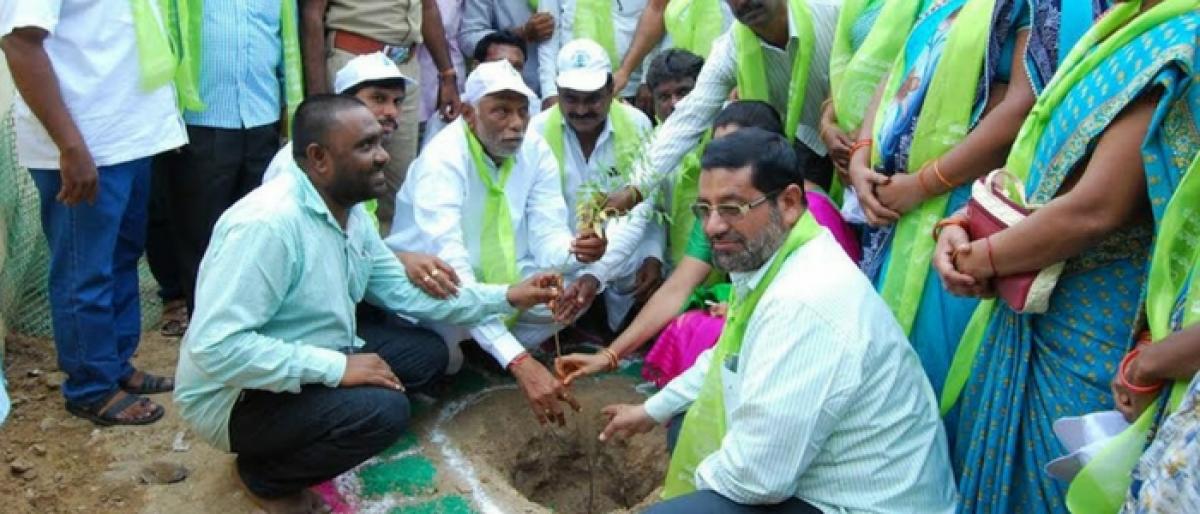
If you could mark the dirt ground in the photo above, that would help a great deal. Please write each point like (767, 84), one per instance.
(57, 463)
(563, 469)
(54, 462)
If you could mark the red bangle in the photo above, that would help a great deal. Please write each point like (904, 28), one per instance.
(517, 360)
(859, 145)
(1124, 380)
(991, 260)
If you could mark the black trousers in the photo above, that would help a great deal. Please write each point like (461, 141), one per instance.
(709, 502)
(160, 238)
(215, 169)
(286, 442)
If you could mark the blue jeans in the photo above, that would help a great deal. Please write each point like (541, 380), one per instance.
(94, 252)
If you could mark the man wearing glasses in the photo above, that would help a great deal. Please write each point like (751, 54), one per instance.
(815, 383)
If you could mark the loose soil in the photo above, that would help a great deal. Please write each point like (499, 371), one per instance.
(563, 469)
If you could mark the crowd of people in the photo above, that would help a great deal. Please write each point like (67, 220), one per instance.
(881, 247)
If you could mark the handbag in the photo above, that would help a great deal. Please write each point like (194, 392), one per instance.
(992, 208)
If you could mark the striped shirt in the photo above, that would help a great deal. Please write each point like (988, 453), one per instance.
(826, 402)
(696, 112)
(241, 65)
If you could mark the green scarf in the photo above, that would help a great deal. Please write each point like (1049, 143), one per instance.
(625, 138)
(853, 75)
(497, 240)
(944, 121)
(293, 76)
(687, 185)
(168, 49)
(694, 24)
(593, 20)
(751, 67)
(704, 425)
(1080, 62)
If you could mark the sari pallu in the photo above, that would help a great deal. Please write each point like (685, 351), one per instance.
(931, 104)
(1033, 369)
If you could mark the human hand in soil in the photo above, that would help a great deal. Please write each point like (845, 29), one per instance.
(625, 420)
(575, 299)
(588, 246)
(579, 365)
(542, 390)
(535, 290)
(430, 274)
(368, 369)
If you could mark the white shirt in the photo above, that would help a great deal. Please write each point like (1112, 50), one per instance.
(828, 402)
(696, 112)
(281, 161)
(440, 208)
(93, 51)
(579, 171)
(625, 14)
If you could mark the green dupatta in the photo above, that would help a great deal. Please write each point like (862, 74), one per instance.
(751, 65)
(625, 138)
(944, 121)
(694, 24)
(168, 43)
(687, 186)
(704, 425)
(593, 20)
(853, 75)
(497, 239)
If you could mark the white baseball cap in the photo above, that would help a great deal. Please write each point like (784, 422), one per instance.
(583, 65)
(493, 77)
(374, 67)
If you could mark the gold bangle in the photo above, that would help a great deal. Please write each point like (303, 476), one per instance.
(613, 359)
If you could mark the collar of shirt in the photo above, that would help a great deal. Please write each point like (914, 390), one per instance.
(745, 281)
(605, 133)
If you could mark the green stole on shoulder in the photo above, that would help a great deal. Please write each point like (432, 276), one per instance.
(854, 74)
(593, 20)
(169, 51)
(704, 425)
(694, 24)
(944, 121)
(497, 239)
(687, 185)
(752, 81)
(625, 139)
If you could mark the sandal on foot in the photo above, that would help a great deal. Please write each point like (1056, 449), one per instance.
(173, 328)
(174, 319)
(151, 384)
(96, 413)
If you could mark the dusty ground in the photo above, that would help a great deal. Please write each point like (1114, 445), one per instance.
(56, 463)
(74, 466)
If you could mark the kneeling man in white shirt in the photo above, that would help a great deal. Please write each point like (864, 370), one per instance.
(486, 199)
(823, 402)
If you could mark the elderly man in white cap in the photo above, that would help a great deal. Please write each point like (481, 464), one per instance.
(487, 200)
(595, 141)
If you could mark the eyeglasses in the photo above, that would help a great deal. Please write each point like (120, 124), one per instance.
(728, 211)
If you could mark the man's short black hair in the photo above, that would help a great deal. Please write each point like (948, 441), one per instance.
(499, 37)
(673, 64)
(315, 117)
(772, 161)
(750, 113)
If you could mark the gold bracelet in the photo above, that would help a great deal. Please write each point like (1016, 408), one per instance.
(613, 359)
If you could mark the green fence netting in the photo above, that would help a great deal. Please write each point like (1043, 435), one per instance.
(24, 256)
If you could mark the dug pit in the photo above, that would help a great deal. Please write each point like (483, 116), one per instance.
(566, 470)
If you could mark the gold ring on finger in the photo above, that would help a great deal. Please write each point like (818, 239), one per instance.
(435, 272)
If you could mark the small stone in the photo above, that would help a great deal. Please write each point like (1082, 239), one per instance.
(39, 450)
(46, 424)
(160, 472)
(20, 467)
(54, 380)
(179, 445)
(29, 475)
(34, 372)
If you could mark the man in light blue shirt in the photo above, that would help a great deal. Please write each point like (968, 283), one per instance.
(235, 134)
(271, 368)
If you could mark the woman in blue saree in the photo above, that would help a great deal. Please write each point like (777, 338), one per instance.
(1102, 151)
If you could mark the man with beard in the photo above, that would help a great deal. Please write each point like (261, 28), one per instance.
(812, 401)
(270, 368)
(595, 141)
(776, 52)
(487, 199)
